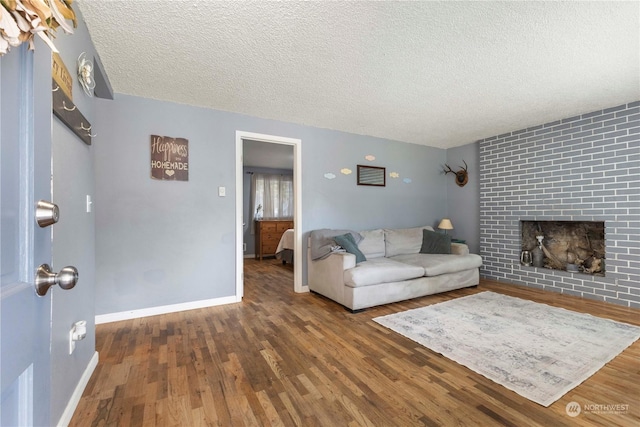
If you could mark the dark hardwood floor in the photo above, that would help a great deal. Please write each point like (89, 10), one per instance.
(285, 359)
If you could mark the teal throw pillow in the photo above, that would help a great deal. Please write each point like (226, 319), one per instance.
(435, 243)
(349, 244)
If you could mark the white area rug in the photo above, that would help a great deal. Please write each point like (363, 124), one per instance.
(538, 351)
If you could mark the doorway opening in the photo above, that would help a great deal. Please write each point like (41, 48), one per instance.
(241, 220)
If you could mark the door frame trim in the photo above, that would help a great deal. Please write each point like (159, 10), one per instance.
(297, 210)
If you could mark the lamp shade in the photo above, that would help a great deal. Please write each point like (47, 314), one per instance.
(445, 224)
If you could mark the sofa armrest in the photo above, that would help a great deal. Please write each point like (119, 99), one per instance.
(459, 249)
(326, 276)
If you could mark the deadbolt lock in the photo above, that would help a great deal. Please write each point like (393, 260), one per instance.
(47, 213)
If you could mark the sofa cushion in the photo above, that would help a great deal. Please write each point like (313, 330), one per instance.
(437, 264)
(372, 243)
(349, 244)
(401, 241)
(321, 242)
(435, 243)
(380, 270)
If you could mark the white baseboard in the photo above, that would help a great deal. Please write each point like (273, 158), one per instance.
(249, 256)
(65, 419)
(164, 309)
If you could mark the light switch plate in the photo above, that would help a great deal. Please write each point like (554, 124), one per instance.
(222, 191)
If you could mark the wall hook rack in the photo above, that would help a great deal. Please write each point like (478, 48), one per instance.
(69, 114)
(88, 130)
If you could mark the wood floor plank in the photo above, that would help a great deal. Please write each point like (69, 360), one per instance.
(284, 359)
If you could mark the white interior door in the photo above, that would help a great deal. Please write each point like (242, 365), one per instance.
(25, 178)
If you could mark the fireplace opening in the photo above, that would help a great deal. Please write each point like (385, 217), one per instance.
(576, 246)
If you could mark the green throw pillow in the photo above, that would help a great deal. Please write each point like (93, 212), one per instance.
(435, 243)
(349, 244)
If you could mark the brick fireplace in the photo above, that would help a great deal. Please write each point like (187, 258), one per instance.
(582, 168)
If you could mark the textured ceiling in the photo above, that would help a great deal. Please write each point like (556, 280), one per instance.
(441, 74)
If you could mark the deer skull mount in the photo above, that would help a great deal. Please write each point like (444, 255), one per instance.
(462, 177)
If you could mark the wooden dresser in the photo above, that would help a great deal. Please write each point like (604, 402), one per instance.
(268, 234)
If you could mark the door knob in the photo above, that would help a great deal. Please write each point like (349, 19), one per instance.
(47, 213)
(45, 278)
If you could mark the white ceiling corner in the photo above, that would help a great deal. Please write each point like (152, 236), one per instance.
(441, 74)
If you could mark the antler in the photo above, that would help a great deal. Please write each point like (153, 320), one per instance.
(462, 175)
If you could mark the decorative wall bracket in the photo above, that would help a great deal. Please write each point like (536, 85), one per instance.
(68, 113)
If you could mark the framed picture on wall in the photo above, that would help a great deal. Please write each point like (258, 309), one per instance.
(372, 175)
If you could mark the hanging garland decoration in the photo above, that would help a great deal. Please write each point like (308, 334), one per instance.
(21, 20)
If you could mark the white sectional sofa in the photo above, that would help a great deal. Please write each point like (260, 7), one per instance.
(394, 269)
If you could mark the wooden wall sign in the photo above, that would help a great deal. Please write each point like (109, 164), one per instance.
(169, 158)
(62, 76)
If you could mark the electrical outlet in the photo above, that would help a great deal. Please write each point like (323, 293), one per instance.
(77, 333)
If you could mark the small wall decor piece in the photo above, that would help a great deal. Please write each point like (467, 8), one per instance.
(372, 175)
(370, 157)
(330, 175)
(462, 177)
(85, 74)
(346, 171)
(394, 175)
(169, 158)
(407, 180)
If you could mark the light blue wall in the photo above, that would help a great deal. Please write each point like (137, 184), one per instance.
(464, 202)
(74, 234)
(160, 243)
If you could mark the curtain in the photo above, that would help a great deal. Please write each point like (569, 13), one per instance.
(271, 197)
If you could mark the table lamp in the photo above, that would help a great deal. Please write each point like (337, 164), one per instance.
(445, 225)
